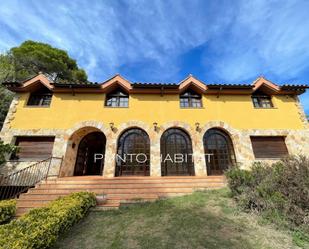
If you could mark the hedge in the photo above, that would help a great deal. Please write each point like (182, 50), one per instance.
(279, 192)
(7, 210)
(41, 227)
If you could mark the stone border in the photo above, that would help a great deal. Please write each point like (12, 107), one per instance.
(74, 135)
(301, 112)
(297, 142)
(11, 114)
(111, 145)
(234, 135)
(197, 145)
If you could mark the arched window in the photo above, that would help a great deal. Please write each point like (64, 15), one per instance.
(190, 99)
(176, 153)
(91, 144)
(219, 152)
(40, 97)
(133, 153)
(117, 98)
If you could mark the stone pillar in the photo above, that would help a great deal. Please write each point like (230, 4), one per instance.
(155, 158)
(198, 154)
(59, 149)
(110, 156)
(243, 149)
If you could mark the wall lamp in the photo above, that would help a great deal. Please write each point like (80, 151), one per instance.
(155, 126)
(197, 126)
(112, 126)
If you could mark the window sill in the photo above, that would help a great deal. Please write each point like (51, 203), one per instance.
(37, 106)
(122, 107)
(192, 107)
(267, 108)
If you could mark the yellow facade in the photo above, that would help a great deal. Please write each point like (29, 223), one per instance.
(76, 111)
(237, 110)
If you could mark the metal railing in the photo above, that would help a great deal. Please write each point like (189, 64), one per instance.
(12, 185)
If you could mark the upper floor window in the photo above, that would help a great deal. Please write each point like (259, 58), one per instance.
(190, 99)
(117, 98)
(262, 101)
(41, 97)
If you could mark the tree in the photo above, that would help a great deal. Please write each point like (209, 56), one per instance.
(31, 57)
(6, 96)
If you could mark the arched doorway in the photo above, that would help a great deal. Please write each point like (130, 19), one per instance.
(176, 153)
(91, 144)
(219, 151)
(133, 153)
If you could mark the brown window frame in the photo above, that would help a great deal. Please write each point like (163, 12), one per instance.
(190, 96)
(117, 95)
(42, 98)
(219, 145)
(174, 141)
(266, 147)
(259, 101)
(133, 141)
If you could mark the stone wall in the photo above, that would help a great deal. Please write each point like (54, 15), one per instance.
(66, 144)
(301, 112)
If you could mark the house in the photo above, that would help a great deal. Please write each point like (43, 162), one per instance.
(209, 127)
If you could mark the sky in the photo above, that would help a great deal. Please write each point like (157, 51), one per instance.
(218, 41)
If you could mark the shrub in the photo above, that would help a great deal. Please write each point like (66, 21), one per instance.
(7, 210)
(280, 191)
(238, 180)
(41, 226)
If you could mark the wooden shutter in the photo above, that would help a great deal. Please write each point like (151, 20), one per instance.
(36, 148)
(269, 147)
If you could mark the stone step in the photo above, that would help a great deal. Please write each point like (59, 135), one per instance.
(123, 197)
(41, 203)
(99, 190)
(134, 180)
(24, 206)
(119, 190)
(107, 206)
(34, 196)
(119, 178)
(20, 211)
(131, 181)
(32, 204)
(126, 185)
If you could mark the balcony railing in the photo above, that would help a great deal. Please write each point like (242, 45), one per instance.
(12, 185)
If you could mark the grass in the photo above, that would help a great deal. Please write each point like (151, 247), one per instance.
(208, 219)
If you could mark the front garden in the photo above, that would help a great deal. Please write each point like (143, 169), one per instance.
(264, 208)
(208, 219)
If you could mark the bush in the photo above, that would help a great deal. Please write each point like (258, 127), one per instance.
(280, 191)
(7, 210)
(238, 180)
(41, 226)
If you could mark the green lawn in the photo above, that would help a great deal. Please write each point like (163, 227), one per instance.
(208, 219)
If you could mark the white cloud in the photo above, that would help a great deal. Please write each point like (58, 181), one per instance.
(267, 37)
(116, 33)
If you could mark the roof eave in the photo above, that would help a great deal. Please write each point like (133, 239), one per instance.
(74, 85)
